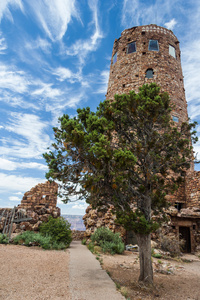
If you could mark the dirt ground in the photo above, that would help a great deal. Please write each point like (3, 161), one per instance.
(174, 280)
(32, 273)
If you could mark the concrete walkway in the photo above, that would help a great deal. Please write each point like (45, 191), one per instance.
(87, 279)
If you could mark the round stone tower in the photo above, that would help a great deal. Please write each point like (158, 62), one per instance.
(146, 54)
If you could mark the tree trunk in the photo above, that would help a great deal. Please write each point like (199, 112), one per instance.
(146, 270)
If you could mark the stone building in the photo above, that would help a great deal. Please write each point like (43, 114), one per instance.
(147, 54)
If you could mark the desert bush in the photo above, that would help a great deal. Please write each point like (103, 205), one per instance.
(30, 238)
(58, 229)
(108, 241)
(83, 242)
(171, 244)
(4, 239)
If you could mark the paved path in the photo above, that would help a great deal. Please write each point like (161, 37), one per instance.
(87, 279)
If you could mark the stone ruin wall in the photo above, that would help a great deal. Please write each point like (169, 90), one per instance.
(39, 203)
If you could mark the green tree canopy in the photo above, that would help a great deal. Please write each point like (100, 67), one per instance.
(128, 152)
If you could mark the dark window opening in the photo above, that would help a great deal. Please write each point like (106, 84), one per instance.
(184, 233)
(123, 85)
(153, 45)
(114, 58)
(149, 73)
(131, 47)
(143, 53)
(179, 206)
(194, 227)
(173, 227)
(137, 75)
(175, 119)
(143, 32)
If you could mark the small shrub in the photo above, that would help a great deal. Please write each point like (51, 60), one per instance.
(157, 255)
(58, 229)
(107, 240)
(83, 242)
(171, 244)
(30, 238)
(4, 239)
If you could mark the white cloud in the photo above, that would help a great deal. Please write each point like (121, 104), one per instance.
(39, 43)
(10, 165)
(4, 8)
(32, 140)
(45, 90)
(3, 45)
(81, 48)
(13, 183)
(135, 12)
(54, 15)
(104, 76)
(1, 127)
(81, 206)
(13, 79)
(14, 198)
(171, 24)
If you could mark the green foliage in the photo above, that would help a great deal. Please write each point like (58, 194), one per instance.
(29, 238)
(58, 230)
(83, 242)
(157, 255)
(136, 221)
(107, 240)
(4, 239)
(128, 151)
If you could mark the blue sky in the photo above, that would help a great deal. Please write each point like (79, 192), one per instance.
(55, 57)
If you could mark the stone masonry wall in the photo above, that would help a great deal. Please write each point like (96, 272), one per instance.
(38, 204)
(128, 72)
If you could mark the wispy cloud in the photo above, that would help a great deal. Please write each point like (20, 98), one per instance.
(135, 12)
(3, 45)
(15, 183)
(13, 79)
(81, 48)
(54, 16)
(10, 165)
(30, 140)
(5, 8)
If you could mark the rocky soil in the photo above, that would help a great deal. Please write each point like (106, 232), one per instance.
(174, 279)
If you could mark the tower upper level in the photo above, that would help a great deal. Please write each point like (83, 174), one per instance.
(146, 54)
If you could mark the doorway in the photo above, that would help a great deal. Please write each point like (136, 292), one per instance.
(184, 233)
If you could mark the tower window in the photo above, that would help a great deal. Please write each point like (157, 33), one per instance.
(175, 119)
(172, 51)
(153, 45)
(131, 47)
(149, 73)
(114, 58)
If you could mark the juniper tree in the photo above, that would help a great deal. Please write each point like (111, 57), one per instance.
(129, 154)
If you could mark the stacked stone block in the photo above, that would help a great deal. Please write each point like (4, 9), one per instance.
(38, 204)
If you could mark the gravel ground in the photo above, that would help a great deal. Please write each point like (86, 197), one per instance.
(32, 273)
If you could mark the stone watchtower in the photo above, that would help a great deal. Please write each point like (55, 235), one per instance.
(146, 54)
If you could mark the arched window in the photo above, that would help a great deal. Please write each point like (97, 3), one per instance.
(149, 73)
